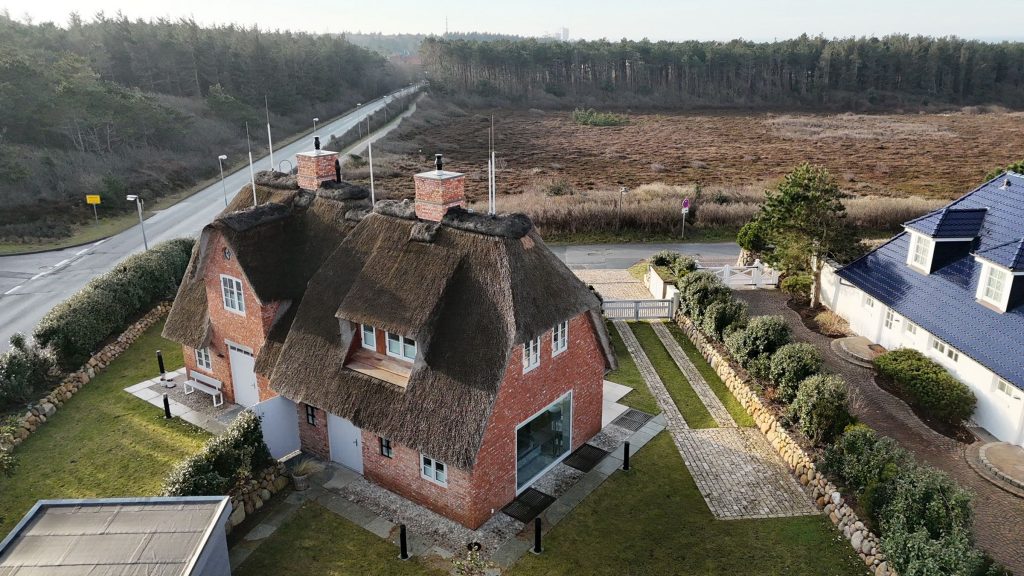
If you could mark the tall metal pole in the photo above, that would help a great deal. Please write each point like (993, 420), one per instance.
(373, 196)
(224, 188)
(138, 204)
(252, 175)
(270, 140)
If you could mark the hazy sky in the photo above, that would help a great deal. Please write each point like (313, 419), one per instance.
(678, 20)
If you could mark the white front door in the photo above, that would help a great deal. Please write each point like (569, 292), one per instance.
(346, 446)
(243, 375)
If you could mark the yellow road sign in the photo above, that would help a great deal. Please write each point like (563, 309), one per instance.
(92, 198)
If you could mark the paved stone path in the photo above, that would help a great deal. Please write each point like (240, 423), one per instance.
(998, 515)
(614, 284)
(697, 381)
(736, 470)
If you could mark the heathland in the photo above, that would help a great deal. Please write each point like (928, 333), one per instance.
(569, 176)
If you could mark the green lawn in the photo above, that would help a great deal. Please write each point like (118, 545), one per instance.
(653, 520)
(103, 442)
(711, 377)
(318, 541)
(628, 375)
(690, 405)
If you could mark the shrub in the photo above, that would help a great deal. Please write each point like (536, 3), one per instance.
(867, 463)
(8, 463)
(224, 461)
(722, 316)
(763, 335)
(760, 366)
(683, 265)
(831, 324)
(700, 291)
(798, 286)
(792, 364)
(927, 385)
(913, 553)
(79, 325)
(665, 258)
(26, 371)
(927, 498)
(591, 117)
(820, 407)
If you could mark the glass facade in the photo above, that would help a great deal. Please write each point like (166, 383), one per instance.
(543, 440)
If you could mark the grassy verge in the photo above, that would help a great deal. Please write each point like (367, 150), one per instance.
(104, 442)
(639, 236)
(653, 520)
(317, 541)
(711, 377)
(627, 374)
(690, 405)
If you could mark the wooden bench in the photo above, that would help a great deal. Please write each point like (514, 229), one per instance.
(204, 383)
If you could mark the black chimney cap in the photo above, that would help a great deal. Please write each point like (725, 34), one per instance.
(437, 162)
(316, 142)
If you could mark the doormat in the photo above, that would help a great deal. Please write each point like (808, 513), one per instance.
(528, 505)
(632, 419)
(585, 458)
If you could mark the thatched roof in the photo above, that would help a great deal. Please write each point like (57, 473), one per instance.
(469, 298)
(303, 227)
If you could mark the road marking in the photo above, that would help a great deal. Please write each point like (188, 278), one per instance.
(82, 251)
(100, 242)
(12, 290)
(37, 276)
(61, 263)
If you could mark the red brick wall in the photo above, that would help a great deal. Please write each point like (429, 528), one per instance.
(313, 439)
(434, 197)
(313, 168)
(580, 368)
(401, 475)
(249, 330)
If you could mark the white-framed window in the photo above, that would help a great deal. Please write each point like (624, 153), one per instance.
(531, 355)
(401, 347)
(203, 359)
(560, 338)
(994, 287)
(910, 327)
(1004, 387)
(945, 349)
(433, 470)
(890, 319)
(921, 252)
(869, 302)
(231, 289)
(368, 335)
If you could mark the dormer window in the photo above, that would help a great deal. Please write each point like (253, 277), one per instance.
(369, 337)
(994, 288)
(401, 347)
(921, 248)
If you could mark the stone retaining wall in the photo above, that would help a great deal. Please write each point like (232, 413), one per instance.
(826, 496)
(252, 495)
(39, 412)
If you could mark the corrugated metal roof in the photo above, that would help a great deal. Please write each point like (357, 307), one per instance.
(111, 537)
(943, 302)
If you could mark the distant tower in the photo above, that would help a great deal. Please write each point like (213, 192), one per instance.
(565, 34)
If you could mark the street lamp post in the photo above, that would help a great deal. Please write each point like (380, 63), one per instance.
(618, 219)
(315, 120)
(138, 204)
(220, 160)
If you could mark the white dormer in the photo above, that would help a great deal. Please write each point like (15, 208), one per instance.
(999, 284)
(922, 248)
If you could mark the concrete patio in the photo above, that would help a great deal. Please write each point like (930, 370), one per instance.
(196, 408)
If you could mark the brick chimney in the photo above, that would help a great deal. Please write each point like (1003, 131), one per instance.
(438, 190)
(315, 166)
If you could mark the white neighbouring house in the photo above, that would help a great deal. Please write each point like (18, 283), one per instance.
(951, 285)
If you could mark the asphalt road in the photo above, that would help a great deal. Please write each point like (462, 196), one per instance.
(32, 284)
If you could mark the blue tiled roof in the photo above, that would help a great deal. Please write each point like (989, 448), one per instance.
(1009, 255)
(943, 302)
(950, 222)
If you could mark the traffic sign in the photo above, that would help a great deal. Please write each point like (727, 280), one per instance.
(92, 198)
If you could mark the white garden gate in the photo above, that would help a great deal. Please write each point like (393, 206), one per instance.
(280, 425)
(637, 309)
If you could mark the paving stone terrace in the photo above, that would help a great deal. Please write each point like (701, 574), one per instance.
(614, 284)
(735, 469)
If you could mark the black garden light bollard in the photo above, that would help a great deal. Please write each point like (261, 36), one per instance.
(167, 407)
(536, 536)
(625, 456)
(403, 543)
(160, 364)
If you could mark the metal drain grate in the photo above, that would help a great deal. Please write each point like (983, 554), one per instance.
(585, 457)
(632, 419)
(528, 505)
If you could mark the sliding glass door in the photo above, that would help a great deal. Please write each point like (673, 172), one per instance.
(543, 440)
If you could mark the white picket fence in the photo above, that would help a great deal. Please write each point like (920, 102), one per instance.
(757, 275)
(638, 309)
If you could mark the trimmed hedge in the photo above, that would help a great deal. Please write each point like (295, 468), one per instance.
(762, 336)
(927, 385)
(791, 365)
(235, 456)
(820, 408)
(26, 371)
(77, 327)
(724, 317)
